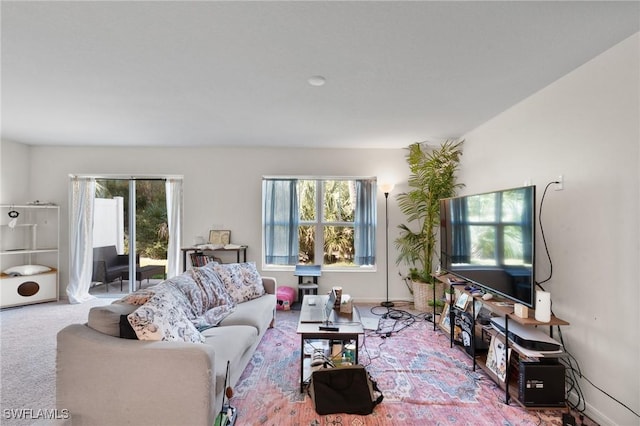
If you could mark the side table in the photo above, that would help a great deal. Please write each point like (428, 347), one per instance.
(306, 288)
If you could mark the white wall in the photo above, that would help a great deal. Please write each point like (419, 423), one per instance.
(14, 169)
(222, 187)
(585, 126)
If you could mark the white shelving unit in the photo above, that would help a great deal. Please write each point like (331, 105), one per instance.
(31, 238)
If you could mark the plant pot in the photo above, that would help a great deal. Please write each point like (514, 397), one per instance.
(423, 295)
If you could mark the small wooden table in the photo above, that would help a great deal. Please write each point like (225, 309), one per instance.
(240, 250)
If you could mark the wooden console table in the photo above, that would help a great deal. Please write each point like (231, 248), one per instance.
(501, 308)
(240, 250)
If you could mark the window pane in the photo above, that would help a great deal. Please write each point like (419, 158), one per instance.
(482, 208)
(512, 204)
(307, 239)
(513, 245)
(483, 245)
(338, 245)
(307, 200)
(339, 200)
(326, 221)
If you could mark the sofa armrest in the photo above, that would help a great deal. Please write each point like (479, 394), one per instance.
(102, 379)
(270, 284)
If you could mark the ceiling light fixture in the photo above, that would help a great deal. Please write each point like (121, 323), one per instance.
(317, 80)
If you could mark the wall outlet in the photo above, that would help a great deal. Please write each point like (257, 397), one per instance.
(560, 183)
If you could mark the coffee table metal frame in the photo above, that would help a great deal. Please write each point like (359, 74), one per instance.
(350, 329)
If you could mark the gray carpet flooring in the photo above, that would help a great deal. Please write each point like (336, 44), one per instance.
(28, 353)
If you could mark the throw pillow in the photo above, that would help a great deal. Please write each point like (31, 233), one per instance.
(242, 280)
(163, 317)
(26, 270)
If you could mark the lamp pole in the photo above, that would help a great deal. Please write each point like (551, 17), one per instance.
(387, 189)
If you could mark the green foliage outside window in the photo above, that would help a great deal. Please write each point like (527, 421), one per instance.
(152, 233)
(335, 223)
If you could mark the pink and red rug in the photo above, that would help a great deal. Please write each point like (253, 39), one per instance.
(424, 382)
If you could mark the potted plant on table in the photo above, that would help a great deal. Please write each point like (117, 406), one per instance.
(433, 177)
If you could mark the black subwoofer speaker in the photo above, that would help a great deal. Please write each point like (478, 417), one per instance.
(541, 384)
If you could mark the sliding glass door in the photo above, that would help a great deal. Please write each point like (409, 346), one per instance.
(130, 215)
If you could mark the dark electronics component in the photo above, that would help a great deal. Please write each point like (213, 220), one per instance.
(527, 337)
(489, 240)
(541, 385)
(456, 281)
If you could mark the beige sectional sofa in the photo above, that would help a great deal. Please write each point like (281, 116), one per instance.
(105, 379)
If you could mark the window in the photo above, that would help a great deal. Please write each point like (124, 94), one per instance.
(321, 221)
(497, 228)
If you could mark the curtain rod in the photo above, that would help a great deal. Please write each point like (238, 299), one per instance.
(318, 177)
(126, 176)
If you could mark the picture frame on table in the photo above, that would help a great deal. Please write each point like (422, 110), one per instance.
(445, 318)
(219, 236)
(462, 300)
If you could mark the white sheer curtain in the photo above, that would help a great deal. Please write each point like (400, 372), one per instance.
(81, 239)
(174, 209)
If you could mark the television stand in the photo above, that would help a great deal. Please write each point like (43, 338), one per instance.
(509, 325)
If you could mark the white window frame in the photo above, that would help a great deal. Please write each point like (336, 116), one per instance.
(319, 223)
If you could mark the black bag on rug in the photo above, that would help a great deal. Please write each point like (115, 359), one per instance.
(347, 389)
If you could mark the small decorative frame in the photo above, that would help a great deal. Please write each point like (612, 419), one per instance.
(461, 302)
(217, 236)
(445, 318)
(498, 358)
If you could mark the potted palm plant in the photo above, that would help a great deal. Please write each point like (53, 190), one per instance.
(433, 177)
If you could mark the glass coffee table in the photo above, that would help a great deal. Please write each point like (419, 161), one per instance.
(346, 329)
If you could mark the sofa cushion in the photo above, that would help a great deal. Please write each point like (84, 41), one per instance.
(257, 313)
(230, 344)
(165, 317)
(241, 280)
(106, 319)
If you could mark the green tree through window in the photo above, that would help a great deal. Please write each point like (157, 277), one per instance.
(320, 221)
(330, 227)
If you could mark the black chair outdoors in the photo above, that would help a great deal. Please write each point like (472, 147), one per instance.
(109, 266)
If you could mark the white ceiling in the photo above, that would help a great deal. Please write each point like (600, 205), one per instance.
(209, 73)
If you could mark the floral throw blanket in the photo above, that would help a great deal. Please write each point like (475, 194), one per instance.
(179, 307)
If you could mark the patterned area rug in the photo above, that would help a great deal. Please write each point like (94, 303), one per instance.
(424, 382)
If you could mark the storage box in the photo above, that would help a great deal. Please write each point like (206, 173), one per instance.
(21, 290)
(346, 305)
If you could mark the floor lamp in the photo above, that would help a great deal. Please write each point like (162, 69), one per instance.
(386, 188)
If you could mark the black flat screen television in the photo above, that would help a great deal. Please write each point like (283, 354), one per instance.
(489, 240)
